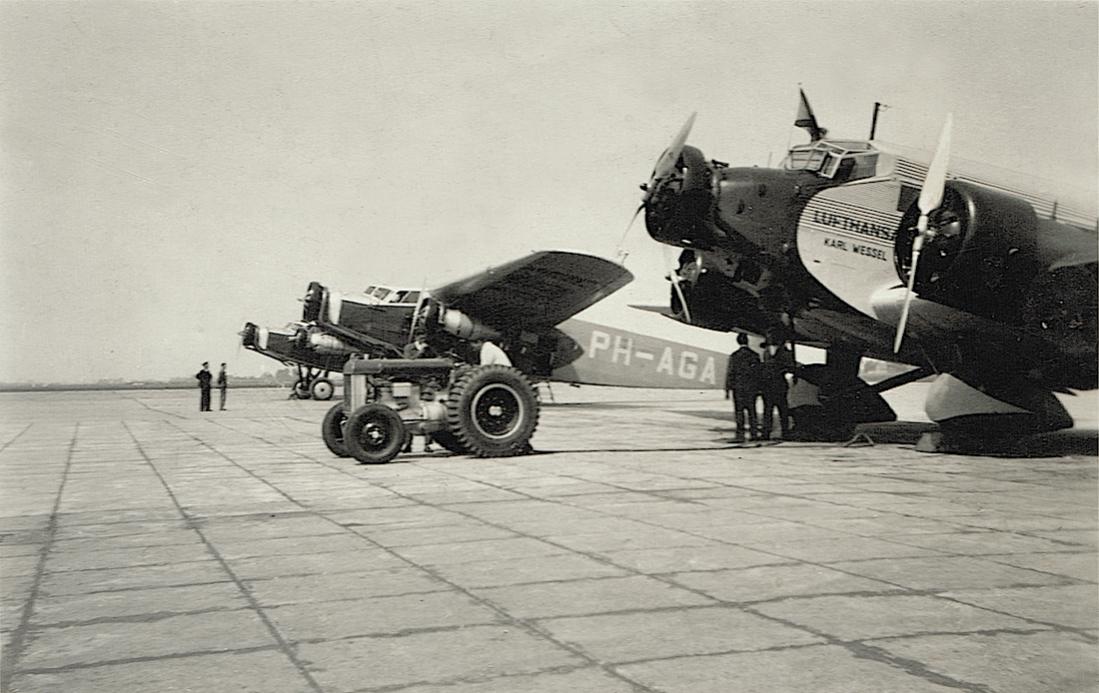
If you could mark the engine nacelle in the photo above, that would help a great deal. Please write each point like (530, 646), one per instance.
(328, 344)
(461, 325)
(249, 335)
(981, 254)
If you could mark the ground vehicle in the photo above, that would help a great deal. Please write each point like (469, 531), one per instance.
(487, 411)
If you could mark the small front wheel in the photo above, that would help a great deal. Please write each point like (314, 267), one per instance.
(374, 434)
(322, 389)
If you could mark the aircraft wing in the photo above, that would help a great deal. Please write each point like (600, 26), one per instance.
(539, 290)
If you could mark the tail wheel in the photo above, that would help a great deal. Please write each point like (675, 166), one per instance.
(492, 411)
(322, 389)
(332, 431)
(374, 434)
(301, 389)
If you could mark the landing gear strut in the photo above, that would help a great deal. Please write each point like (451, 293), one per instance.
(312, 384)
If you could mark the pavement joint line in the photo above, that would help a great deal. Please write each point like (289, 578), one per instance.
(139, 660)
(944, 519)
(138, 588)
(18, 641)
(150, 617)
(283, 646)
(151, 408)
(524, 624)
(832, 639)
(886, 539)
(16, 437)
(563, 669)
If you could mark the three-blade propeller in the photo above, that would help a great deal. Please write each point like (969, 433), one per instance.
(931, 196)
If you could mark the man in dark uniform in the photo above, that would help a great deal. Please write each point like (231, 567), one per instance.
(774, 388)
(223, 385)
(204, 378)
(742, 384)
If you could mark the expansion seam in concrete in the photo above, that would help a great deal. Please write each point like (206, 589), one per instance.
(150, 617)
(18, 641)
(152, 658)
(908, 667)
(524, 624)
(16, 437)
(809, 524)
(855, 648)
(283, 645)
(564, 669)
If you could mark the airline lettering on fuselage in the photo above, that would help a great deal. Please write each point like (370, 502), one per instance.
(682, 363)
(858, 248)
(859, 226)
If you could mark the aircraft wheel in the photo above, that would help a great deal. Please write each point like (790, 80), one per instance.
(374, 434)
(332, 431)
(322, 389)
(301, 390)
(492, 411)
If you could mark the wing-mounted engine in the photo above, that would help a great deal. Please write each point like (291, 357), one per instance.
(980, 254)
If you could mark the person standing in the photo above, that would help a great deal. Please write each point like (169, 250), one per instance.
(204, 378)
(774, 388)
(223, 385)
(742, 377)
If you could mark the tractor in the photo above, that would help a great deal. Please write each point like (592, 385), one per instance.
(485, 411)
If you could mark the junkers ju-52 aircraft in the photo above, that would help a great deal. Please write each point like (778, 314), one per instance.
(285, 346)
(421, 373)
(864, 251)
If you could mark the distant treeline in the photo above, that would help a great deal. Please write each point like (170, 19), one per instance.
(237, 383)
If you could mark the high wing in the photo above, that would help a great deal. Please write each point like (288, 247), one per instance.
(537, 291)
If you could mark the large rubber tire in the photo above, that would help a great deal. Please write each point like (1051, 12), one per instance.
(322, 389)
(374, 434)
(492, 411)
(301, 390)
(332, 431)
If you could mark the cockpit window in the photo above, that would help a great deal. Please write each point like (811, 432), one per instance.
(380, 293)
(808, 159)
(410, 297)
(838, 160)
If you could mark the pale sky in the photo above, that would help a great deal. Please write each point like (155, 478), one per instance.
(170, 170)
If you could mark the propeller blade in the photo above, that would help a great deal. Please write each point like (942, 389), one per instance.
(416, 313)
(666, 163)
(620, 252)
(931, 194)
(917, 245)
(931, 197)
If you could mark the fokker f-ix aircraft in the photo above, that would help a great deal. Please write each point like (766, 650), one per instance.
(284, 345)
(526, 306)
(867, 252)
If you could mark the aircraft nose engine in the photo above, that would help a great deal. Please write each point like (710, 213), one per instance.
(678, 204)
(979, 253)
(313, 302)
(248, 335)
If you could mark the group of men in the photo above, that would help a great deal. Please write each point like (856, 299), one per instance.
(749, 378)
(204, 378)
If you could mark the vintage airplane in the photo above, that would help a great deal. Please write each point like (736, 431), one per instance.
(526, 306)
(284, 346)
(865, 251)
